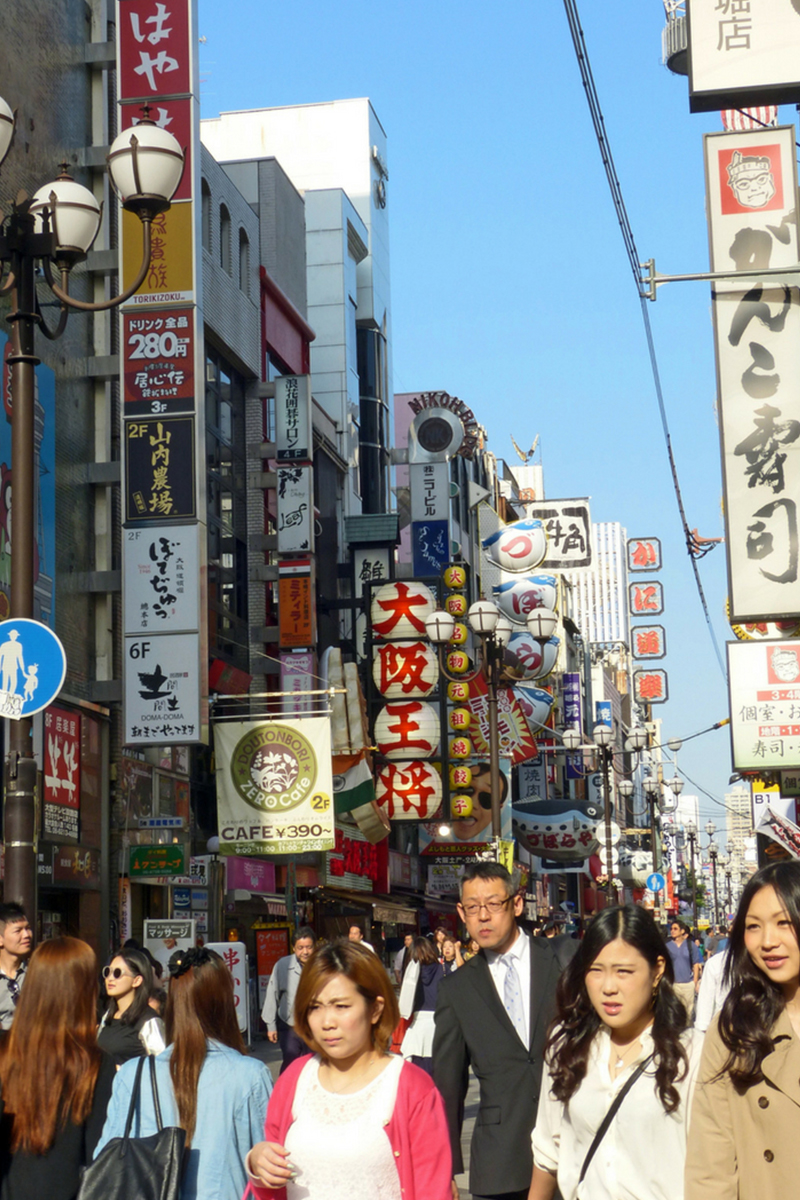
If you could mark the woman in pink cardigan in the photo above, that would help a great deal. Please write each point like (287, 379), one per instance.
(350, 1121)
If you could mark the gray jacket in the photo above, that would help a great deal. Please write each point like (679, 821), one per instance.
(9, 991)
(281, 991)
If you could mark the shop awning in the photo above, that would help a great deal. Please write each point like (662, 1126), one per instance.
(384, 910)
(274, 905)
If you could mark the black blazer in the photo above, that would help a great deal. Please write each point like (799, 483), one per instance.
(474, 1029)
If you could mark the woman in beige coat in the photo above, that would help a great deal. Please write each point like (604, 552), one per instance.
(745, 1126)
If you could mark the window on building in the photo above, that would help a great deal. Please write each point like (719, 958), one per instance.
(227, 511)
(225, 239)
(244, 263)
(205, 192)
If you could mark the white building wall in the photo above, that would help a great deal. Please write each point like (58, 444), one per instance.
(600, 594)
(738, 819)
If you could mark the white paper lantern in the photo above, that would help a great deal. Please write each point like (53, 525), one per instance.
(405, 670)
(520, 546)
(407, 729)
(399, 609)
(409, 792)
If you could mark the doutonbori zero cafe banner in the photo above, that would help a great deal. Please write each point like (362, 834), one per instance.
(751, 181)
(274, 786)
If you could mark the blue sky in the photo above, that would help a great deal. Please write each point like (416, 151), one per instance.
(510, 284)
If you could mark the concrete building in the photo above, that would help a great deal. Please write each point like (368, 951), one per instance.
(738, 820)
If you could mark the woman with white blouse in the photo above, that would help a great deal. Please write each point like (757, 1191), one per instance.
(619, 1037)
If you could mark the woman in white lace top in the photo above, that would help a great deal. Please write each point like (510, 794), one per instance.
(342, 1122)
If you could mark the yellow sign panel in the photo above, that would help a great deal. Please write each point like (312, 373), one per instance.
(170, 278)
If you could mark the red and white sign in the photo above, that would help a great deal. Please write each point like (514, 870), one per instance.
(154, 49)
(62, 757)
(158, 350)
(650, 686)
(644, 554)
(234, 955)
(407, 729)
(648, 641)
(409, 791)
(405, 670)
(399, 610)
(646, 599)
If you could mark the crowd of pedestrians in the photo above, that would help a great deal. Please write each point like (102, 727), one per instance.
(620, 1065)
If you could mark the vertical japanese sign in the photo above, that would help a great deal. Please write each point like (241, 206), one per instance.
(751, 182)
(234, 955)
(294, 432)
(163, 428)
(430, 516)
(62, 773)
(764, 684)
(573, 718)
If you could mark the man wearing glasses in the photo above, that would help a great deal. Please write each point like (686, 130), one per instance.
(492, 1015)
(15, 946)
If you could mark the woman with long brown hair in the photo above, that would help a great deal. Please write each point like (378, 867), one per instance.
(54, 1079)
(206, 1085)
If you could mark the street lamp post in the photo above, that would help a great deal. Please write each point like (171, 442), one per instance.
(53, 231)
(713, 852)
(603, 736)
(493, 631)
(691, 833)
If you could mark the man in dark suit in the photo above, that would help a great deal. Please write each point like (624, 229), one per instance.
(492, 1014)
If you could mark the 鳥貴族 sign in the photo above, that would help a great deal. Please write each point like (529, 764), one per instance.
(274, 786)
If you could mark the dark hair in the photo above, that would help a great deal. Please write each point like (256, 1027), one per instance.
(681, 924)
(487, 871)
(365, 970)
(483, 792)
(49, 1061)
(304, 931)
(138, 963)
(754, 1002)
(573, 1030)
(423, 951)
(200, 1005)
(10, 913)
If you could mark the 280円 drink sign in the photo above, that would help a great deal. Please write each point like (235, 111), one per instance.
(274, 786)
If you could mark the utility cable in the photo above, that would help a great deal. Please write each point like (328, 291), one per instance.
(596, 113)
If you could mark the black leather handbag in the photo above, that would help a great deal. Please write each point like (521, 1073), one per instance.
(143, 1168)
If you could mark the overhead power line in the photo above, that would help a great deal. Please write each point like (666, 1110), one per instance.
(596, 113)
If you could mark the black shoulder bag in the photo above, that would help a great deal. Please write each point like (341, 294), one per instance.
(609, 1117)
(143, 1168)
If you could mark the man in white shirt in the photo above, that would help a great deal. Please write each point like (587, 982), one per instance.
(278, 1011)
(713, 990)
(492, 1014)
(354, 934)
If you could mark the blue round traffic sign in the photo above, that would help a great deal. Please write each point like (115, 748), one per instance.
(32, 667)
(656, 882)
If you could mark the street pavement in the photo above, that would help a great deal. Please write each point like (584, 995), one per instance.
(271, 1055)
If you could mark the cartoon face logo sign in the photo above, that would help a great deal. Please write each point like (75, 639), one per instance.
(751, 180)
(783, 664)
(520, 546)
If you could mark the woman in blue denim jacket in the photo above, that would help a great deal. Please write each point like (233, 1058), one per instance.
(205, 1083)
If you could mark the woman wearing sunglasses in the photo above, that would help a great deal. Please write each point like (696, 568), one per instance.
(130, 1028)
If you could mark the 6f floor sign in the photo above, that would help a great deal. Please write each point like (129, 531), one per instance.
(162, 689)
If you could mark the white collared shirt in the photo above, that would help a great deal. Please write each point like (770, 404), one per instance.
(644, 1149)
(521, 952)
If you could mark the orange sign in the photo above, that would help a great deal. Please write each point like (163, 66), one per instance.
(296, 610)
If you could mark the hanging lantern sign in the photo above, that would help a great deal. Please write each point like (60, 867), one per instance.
(518, 547)
(405, 670)
(457, 662)
(456, 605)
(407, 729)
(536, 704)
(459, 634)
(536, 659)
(411, 792)
(455, 577)
(399, 609)
(460, 719)
(460, 776)
(461, 805)
(563, 830)
(458, 691)
(518, 597)
(460, 747)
